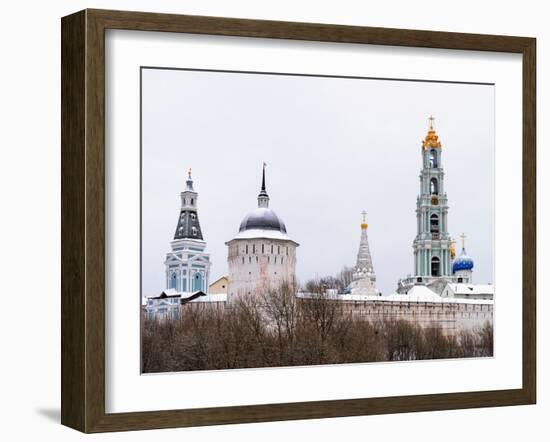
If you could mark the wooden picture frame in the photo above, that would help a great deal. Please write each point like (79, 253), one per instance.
(83, 220)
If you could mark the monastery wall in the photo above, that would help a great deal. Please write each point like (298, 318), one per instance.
(449, 316)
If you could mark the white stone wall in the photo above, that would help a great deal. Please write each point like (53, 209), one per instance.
(451, 317)
(259, 264)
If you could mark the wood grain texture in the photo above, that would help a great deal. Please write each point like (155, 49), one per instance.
(73, 254)
(83, 219)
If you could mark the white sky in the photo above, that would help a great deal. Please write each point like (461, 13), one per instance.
(334, 147)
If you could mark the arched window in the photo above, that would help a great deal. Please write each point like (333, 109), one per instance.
(173, 281)
(247, 249)
(433, 158)
(194, 231)
(262, 248)
(197, 282)
(434, 223)
(435, 266)
(434, 188)
(192, 201)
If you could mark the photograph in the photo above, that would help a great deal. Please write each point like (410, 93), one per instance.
(340, 219)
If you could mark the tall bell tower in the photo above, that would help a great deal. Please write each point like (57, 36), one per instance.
(432, 244)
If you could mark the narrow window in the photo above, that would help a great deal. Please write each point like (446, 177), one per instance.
(243, 259)
(275, 260)
(433, 158)
(435, 266)
(278, 250)
(434, 223)
(286, 250)
(253, 248)
(262, 248)
(434, 187)
(271, 248)
(282, 260)
(247, 249)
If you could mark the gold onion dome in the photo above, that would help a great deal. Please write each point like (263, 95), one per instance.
(432, 139)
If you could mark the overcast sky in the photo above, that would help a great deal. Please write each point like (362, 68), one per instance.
(333, 147)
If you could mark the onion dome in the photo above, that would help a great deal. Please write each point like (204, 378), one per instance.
(432, 139)
(463, 262)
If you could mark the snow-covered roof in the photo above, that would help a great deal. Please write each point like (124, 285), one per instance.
(262, 233)
(472, 289)
(418, 293)
(214, 297)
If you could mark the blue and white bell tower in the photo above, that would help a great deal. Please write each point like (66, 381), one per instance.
(432, 245)
(187, 265)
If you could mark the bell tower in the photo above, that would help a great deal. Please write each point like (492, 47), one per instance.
(432, 244)
(187, 264)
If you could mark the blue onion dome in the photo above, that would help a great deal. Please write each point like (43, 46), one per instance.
(463, 262)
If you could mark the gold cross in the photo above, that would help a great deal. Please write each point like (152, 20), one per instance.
(463, 238)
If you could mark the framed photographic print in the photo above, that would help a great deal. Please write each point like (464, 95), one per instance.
(270, 220)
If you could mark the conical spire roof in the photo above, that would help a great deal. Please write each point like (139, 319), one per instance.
(364, 267)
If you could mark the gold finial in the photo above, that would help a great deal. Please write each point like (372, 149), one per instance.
(463, 237)
(189, 173)
(364, 224)
(431, 140)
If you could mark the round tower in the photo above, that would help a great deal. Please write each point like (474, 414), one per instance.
(261, 256)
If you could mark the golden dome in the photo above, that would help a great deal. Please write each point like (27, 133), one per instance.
(364, 225)
(432, 139)
(453, 249)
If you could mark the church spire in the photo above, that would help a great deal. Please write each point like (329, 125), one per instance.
(189, 181)
(364, 260)
(432, 139)
(263, 197)
(188, 222)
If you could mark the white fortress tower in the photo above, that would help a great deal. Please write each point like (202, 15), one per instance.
(261, 256)
(364, 279)
(187, 266)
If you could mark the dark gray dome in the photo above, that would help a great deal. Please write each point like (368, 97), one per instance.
(262, 218)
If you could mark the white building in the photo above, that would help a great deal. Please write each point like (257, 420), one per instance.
(469, 291)
(163, 307)
(187, 265)
(261, 256)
